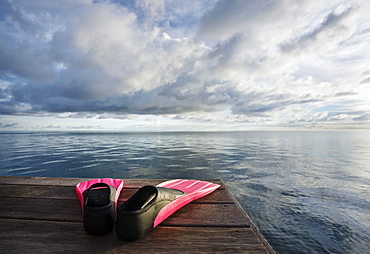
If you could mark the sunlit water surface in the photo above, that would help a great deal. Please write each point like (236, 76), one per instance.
(308, 192)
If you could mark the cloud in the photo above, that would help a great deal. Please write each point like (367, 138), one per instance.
(332, 29)
(10, 126)
(270, 61)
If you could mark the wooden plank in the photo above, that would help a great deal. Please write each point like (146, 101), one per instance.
(68, 192)
(40, 180)
(61, 181)
(54, 237)
(70, 210)
(34, 191)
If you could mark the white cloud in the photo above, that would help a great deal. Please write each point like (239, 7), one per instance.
(264, 62)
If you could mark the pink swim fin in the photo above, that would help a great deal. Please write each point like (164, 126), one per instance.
(98, 199)
(151, 205)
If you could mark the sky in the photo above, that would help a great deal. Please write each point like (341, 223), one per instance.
(184, 65)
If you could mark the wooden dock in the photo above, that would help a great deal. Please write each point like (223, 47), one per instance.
(43, 215)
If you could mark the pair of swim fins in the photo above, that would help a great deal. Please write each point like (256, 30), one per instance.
(147, 208)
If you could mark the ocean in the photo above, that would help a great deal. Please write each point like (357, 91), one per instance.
(307, 192)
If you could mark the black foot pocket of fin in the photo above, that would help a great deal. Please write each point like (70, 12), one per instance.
(136, 216)
(99, 214)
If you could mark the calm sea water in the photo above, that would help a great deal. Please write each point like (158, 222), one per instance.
(308, 192)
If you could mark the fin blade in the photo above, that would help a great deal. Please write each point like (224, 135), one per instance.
(187, 186)
(194, 189)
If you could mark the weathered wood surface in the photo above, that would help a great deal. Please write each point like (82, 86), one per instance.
(43, 215)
